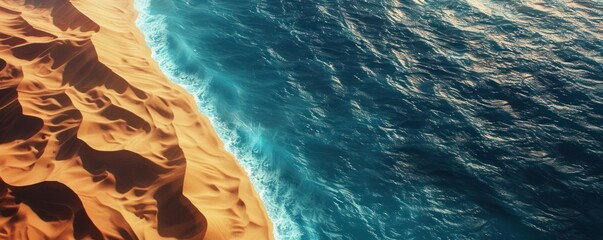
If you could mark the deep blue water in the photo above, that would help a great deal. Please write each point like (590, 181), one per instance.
(425, 119)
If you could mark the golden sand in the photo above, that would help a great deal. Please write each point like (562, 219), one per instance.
(95, 142)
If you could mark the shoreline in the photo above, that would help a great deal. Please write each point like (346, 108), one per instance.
(137, 112)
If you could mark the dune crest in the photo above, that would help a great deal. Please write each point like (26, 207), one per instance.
(96, 143)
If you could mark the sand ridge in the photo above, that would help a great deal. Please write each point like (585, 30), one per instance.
(96, 143)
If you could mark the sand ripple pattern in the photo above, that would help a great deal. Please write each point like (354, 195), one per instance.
(96, 143)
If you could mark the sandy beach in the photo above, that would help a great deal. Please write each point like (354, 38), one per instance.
(96, 143)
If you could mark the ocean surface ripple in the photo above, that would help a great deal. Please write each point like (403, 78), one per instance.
(424, 119)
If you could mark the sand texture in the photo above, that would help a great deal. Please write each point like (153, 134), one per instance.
(96, 143)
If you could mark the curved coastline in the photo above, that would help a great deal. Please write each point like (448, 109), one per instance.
(87, 113)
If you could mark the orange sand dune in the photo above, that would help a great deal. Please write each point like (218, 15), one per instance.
(96, 143)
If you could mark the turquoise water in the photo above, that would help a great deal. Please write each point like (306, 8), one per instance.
(401, 119)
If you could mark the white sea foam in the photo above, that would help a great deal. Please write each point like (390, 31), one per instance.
(154, 27)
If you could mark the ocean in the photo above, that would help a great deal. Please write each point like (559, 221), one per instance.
(424, 119)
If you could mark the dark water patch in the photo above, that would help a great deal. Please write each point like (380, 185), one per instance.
(401, 120)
